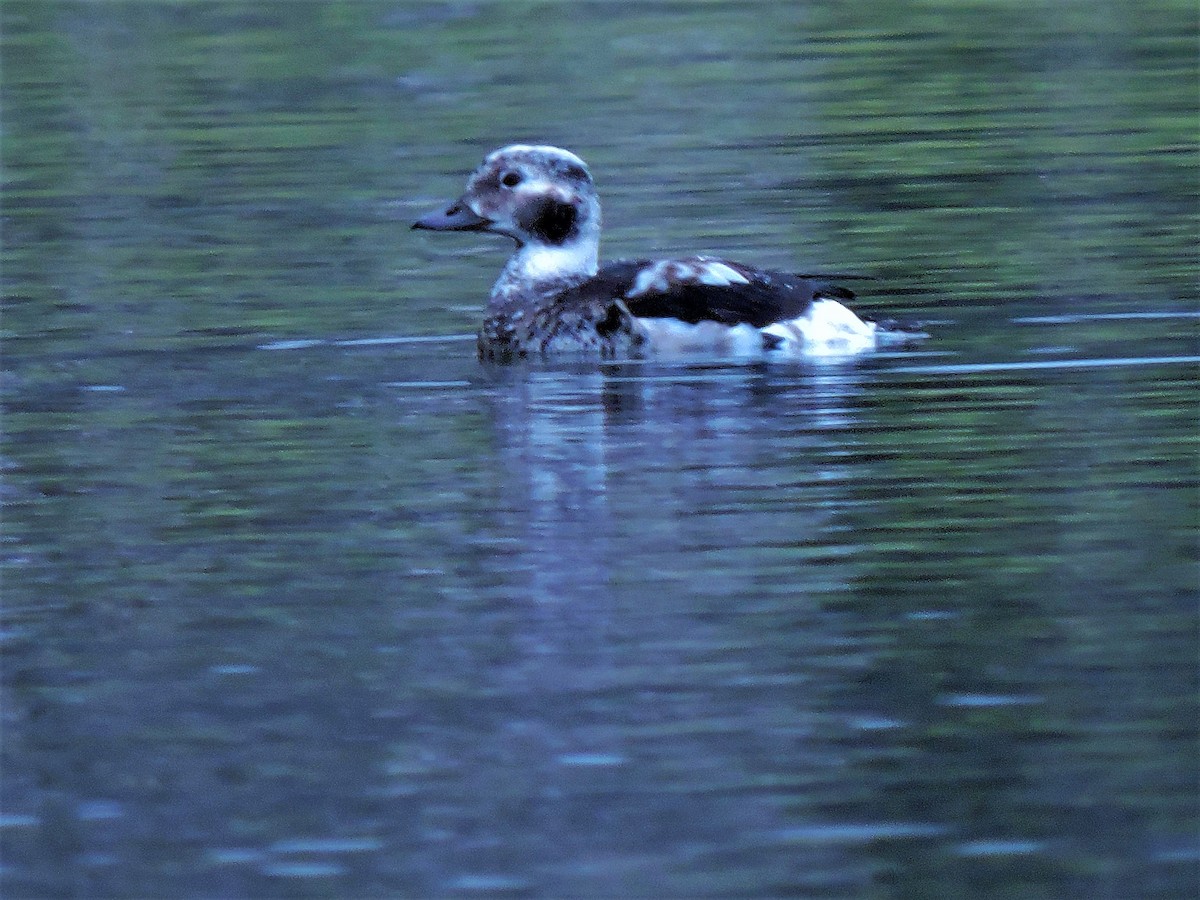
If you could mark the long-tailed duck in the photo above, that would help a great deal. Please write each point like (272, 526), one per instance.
(552, 297)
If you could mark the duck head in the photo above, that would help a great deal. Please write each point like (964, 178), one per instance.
(543, 198)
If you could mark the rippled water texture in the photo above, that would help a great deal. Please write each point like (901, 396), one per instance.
(301, 600)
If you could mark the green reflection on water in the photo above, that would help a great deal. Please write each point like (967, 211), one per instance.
(175, 172)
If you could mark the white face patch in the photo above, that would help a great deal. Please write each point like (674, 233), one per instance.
(666, 274)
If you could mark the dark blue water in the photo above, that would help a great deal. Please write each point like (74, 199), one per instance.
(299, 599)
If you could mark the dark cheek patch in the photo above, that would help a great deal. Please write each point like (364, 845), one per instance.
(553, 221)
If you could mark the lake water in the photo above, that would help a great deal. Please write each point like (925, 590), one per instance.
(301, 600)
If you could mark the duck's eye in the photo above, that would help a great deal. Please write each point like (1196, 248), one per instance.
(510, 179)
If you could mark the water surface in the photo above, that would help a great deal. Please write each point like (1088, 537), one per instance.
(300, 599)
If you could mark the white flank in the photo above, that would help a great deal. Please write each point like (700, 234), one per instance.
(671, 336)
(827, 329)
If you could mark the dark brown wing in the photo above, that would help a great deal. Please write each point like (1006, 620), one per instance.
(705, 289)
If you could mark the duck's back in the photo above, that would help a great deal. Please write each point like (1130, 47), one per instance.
(704, 289)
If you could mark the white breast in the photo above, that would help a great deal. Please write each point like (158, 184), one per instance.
(539, 262)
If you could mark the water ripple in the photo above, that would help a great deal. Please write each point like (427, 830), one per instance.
(980, 368)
